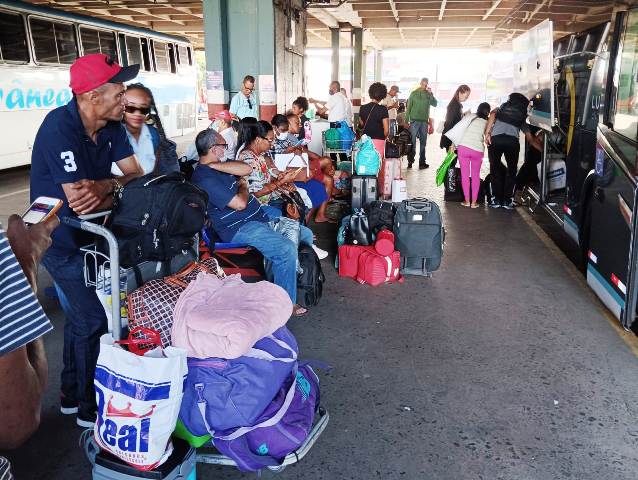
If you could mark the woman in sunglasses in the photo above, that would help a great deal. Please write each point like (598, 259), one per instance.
(143, 127)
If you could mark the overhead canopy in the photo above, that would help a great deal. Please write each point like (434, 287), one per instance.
(386, 23)
(452, 23)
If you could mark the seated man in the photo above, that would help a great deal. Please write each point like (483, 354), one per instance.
(286, 142)
(238, 217)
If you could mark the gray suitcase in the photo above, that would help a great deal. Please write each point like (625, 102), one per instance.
(419, 236)
(364, 191)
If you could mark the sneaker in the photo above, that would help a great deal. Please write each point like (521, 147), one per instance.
(495, 205)
(423, 166)
(410, 164)
(509, 205)
(68, 406)
(320, 253)
(86, 419)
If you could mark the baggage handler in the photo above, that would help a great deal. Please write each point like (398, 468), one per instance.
(73, 152)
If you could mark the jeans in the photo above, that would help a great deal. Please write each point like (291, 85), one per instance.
(418, 130)
(503, 179)
(85, 323)
(280, 251)
(305, 234)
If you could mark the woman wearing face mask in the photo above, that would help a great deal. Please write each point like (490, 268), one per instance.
(454, 113)
(144, 137)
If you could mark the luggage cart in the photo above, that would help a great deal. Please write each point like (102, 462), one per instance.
(97, 260)
(342, 146)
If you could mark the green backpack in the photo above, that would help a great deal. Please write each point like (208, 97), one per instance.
(333, 139)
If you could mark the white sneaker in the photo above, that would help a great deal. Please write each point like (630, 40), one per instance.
(320, 253)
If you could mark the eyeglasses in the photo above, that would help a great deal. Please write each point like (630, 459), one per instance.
(225, 145)
(269, 140)
(142, 110)
(249, 88)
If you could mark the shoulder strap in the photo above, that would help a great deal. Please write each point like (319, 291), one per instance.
(368, 117)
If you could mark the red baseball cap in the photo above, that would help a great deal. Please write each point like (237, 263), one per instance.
(223, 115)
(91, 71)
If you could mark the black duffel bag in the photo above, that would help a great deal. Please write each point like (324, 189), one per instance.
(380, 216)
(156, 217)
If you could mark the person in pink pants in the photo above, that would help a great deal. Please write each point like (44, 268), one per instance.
(470, 155)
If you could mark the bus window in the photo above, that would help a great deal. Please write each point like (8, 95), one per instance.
(13, 38)
(182, 52)
(123, 55)
(53, 42)
(626, 118)
(98, 41)
(161, 57)
(146, 56)
(133, 50)
(171, 58)
(190, 56)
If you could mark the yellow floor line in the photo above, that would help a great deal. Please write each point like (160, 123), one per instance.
(628, 337)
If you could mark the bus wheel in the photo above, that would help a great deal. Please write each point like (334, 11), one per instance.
(584, 235)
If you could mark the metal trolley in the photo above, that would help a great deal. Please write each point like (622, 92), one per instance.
(344, 146)
(98, 268)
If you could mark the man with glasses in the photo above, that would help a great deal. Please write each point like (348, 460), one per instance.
(73, 152)
(244, 104)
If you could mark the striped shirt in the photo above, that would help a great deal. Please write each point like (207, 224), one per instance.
(22, 319)
(5, 469)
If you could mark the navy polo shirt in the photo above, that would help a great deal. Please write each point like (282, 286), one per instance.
(221, 188)
(64, 153)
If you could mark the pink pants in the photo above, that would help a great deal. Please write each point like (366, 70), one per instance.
(470, 162)
(379, 145)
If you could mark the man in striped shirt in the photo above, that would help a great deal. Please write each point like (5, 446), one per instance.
(23, 363)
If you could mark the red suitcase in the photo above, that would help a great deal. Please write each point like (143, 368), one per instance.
(349, 259)
(376, 269)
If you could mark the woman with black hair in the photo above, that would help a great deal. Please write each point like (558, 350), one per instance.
(502, 138)
(374, 119)
(256, 138)
(154, 152)
(454, 113)
(300, 107)
(470, 151)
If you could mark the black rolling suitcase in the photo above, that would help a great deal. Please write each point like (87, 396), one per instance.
(419, 236)
(364, 190)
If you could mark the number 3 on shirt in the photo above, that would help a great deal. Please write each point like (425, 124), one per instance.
(69, 161)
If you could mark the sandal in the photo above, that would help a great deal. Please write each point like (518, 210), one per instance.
(474, 205)
(298, 310)
(465, 204)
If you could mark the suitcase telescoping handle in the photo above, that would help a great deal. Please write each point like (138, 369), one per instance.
(419, 203)
(114, 258)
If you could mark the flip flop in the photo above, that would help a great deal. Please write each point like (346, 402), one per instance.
(299, 311)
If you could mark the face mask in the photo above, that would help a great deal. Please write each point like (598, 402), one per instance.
(282, 136)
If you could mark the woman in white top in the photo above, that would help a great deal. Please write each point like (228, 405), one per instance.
(470, 152)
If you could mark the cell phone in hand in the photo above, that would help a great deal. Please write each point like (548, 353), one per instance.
(41, 209)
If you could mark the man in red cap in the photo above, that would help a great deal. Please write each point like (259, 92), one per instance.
(73, 152)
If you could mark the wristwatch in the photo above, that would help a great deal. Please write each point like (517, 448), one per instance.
(117, 188)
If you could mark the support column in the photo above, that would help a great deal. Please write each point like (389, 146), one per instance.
(357, 72)
(378, 66)
(334, 35)
(215, 43)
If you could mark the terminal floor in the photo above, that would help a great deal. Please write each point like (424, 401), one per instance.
(502, 366)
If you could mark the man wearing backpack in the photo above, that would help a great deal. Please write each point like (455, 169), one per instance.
(73, 152)
(417, 115)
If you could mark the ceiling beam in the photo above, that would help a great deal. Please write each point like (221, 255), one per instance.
(469, 37)
(442, 10)
(491, 9)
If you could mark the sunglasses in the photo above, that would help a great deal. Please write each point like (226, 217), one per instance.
(142, 110)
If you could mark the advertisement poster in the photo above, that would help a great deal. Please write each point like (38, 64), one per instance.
(267, 93)
(215, 86)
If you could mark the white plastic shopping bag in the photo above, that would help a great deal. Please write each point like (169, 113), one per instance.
(138, 400)
(455, 134)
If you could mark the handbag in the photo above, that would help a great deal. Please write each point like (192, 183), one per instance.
(359, 228)
(153, 304)
(237, 391)
(455, 134)
(138, 399)
(391, 150)
(443, 168)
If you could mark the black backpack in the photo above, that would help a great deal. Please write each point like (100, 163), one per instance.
(310, 280)
(156, 217)
(380, 216)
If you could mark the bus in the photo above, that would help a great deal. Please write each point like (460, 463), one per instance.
(37, 47)
(594, 141)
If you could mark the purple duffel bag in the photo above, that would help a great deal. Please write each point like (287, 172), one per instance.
(280, 430)
(237, 391)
